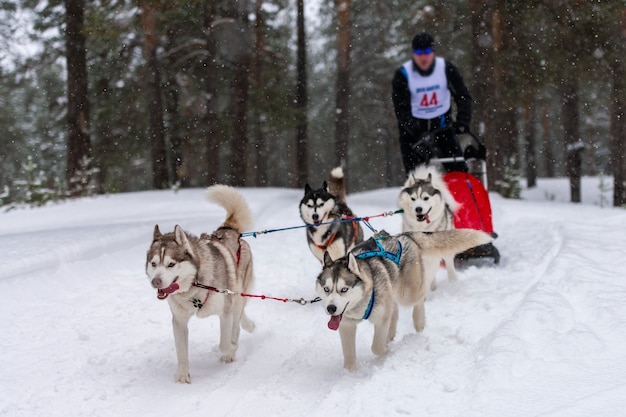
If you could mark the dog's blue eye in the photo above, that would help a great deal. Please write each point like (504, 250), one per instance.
(344, 289)
(326, 289)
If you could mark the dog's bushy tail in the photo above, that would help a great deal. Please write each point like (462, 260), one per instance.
(450, 242)
(238, 214)
(337, 184)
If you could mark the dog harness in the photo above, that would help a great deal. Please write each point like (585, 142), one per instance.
(334, 235)
(395, 257)
(197, 303)
(370, 306)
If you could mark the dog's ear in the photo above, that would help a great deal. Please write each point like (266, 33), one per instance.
(430, 177)
(157, 233)
(353, 266)
(327, 259)
(307, 189)
(325, 186)
(182, 240)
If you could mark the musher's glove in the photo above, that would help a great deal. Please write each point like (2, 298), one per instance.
(424, 149)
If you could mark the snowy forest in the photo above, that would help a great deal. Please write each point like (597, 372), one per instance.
(108, 96)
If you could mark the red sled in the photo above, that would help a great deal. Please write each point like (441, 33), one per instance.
(471, 193)
(474, 212)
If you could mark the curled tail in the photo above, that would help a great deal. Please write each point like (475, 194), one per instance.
(238, 214)
(449, 242)
(337, 184)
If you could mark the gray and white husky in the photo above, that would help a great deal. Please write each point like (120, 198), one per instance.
(188, 271)
(323, 210)
(428, 206)
(380, 273)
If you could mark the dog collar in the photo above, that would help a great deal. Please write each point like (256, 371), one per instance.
(328, 242)
(370, 306)
(395, 257)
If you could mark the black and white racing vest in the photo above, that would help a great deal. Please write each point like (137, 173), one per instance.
(430, 96)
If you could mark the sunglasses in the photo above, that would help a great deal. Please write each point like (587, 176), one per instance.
(422, 51)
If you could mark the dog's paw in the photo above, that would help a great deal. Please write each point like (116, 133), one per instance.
(183, 378)
(227, 358)
(380, 350)
(452, 276)
(419, 326)
(451, 270)
(419, 321)
(350, 367)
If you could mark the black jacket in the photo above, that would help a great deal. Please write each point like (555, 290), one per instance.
(402, 100)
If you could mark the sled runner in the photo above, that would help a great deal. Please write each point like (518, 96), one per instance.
(470, 189)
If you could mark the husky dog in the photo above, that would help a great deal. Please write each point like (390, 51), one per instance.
(322, 210)
(428, 207)
(189, 271)
(380, 273)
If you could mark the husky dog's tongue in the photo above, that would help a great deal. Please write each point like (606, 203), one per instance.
(333, 323)
(162, 293)
(423, 217)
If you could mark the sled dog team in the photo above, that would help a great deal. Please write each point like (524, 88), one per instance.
(360, 279)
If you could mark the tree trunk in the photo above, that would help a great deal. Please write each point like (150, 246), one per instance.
(571, 137)
(160, 178)
(177, 165)
(530, 143)
(342, 101)
(212, 121)
(618, 134)
(258, 71)
(301, 102)
(241, 85)
(618, 115)
(504, 125)
(79, 144)
(483, 82)
(546, 127)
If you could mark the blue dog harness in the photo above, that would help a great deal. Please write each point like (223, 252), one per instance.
(395, 257)
(368, 310)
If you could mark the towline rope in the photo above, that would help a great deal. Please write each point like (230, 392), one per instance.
(343, 220)
(300, 301)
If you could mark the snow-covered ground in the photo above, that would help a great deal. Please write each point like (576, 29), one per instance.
(541, 334)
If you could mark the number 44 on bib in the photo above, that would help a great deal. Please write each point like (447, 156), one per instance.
(429, 101)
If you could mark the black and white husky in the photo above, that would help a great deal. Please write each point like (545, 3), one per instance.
(186, 270)
(375, 276)
(325, 211)
(428, 206)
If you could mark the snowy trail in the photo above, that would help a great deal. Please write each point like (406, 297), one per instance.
(541, 334)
